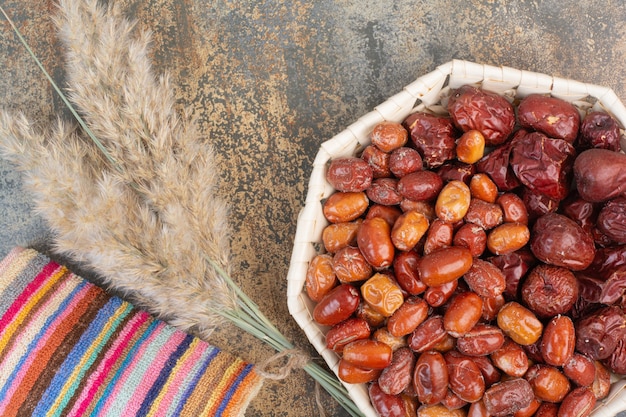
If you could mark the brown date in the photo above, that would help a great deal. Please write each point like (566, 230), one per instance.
(339, 235)
(368, 313)
(547, 410)
(320, 277)
(491, 307)
(395, 378)
(612, 220)
(538, 204)
(552, 116)
(456, 171)
(337, 305)
(463, 313)
(580, 402)
(508, 397)
(470, 147)
(388, 213)
(513, 208)
(558, 341)
(528, 411)
(600, 175)
(453, 201)
(347, 331)
(519, 323)
(420, 185)
(433, 136)
(382, 293)
(496, 165)
(485, 279)
(445, 265)
(384, 191)
(345, 207)
(581, 211)
(601, 386)
(388, 136)
(386, 405)
(430, 378)
(439, 410)
(486, 215)
(472, 237)
(599, 332)
(491, 114)
(600, 130)
(394, 342)
(514, 266)
(548, 383)
(350, 265)
(617, 361)
(405, 267)
(550, 290)
(477, 409)
(439, 295)
(542, 164)
(368, 354)
(408, 230)
(580, 370)
(560, 241)
(408, 316)
(405, 160)
(511, 358)
(453, 401)
(490, 373)
(428, 334)
(464, 377)
(378, 160)
(349, 174)
(507, 238)
(440, 234)
(355, 375)
(374, 241)
(482, 339)
(483, 187)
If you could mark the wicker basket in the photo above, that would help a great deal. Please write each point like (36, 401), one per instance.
(427, 92)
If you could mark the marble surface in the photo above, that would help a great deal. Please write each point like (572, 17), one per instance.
(271, 80)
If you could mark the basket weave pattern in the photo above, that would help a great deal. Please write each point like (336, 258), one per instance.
(427, 92)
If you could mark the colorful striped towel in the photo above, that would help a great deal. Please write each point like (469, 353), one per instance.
(67, 348)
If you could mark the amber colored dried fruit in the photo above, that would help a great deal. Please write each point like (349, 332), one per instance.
(485, 279)
(440, 234)
(433, 136)
(374, 241)
(345, 207)
(599, 130)
(549, 290)
(486, 215)
(519, 323)
(508, 397)
(463, 312)
(385, 404)
(580, 402)
(511, 358)
(388, 136)
(580, 370)
(483, 187)
(445, 265)
(408, 316)
(492, 306)
(472, 237)
(320, 277)
(439, 410)
(470, 147)
(482, 339)
(368, 353)
(558, 341)
(355, 375)
(528, 411)
(350, 265)
(388, 213)
(339, 235)
(464, 377)
(405, 160)
(507, 238)
(428, 334)
(369, 314)
(560, 241)
(513, 208)
(398, 376)
(408, 230)
(453, 201)
(552, 116)
(482, 110)
(548, 383)
(601, 386)
(383, 294)
(349, 174)
(347, 331)
(337, 305)
(547, 410)
(379, 161)
(439, 295)
(430, 378)
(383, 335)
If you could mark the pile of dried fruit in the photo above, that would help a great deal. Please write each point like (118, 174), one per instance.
(476, 263)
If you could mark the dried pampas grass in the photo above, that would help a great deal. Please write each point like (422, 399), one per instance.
(131, 194)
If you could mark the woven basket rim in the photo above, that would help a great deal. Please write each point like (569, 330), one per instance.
(425, 93)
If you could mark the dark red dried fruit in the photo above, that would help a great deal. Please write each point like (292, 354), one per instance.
(599, 130)
(350, 174)
(597, 334)
(550, 290)
(612, 219)
(433, 136)
(551, 116)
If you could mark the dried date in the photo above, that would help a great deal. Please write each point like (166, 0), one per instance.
(433, 136)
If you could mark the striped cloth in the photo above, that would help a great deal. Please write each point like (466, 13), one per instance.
(67, 348)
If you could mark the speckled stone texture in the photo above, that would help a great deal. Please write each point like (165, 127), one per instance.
(270, 81)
